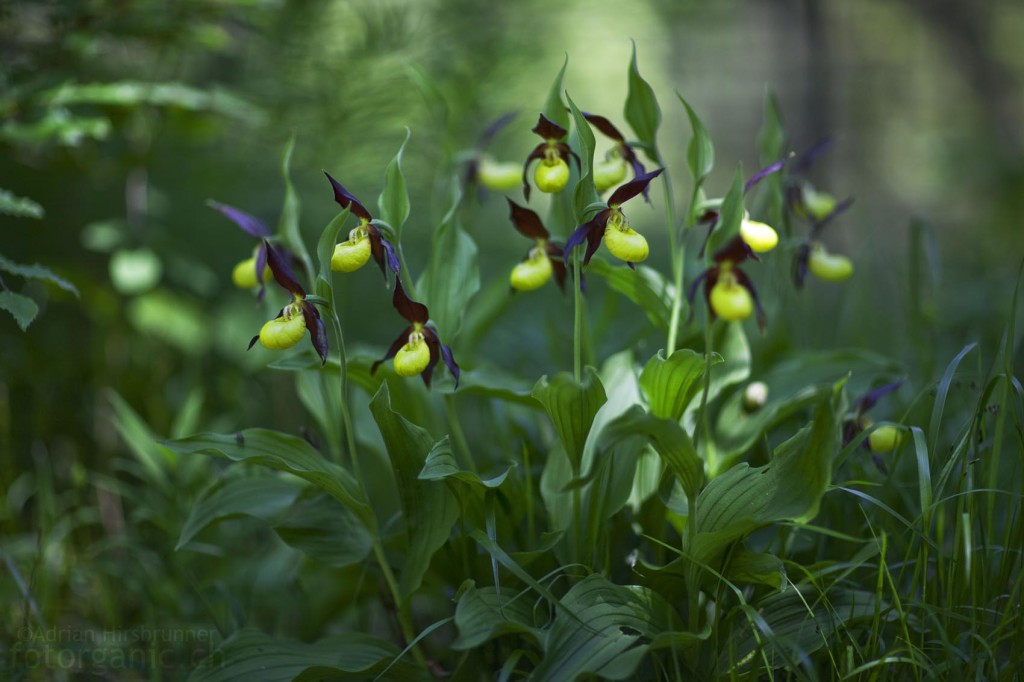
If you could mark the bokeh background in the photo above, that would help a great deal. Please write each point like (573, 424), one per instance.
(924, 101)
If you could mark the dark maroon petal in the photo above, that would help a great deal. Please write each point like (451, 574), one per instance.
(495, 128)
(261, 264)
(605, 126)
(548, 129)
(282, 271)
(537, 153)
(317, 330)
(346, 200)
(835, 212)
(396, 345)
(763, 173)
(638, 169)
(409, 309)
(736, 251)
(800, 265)
(626, 192)
(559, 270)
(744, 281)
(692, 291)
(868, 400)
(851, 429)
(591, 232)
(449, 361)
(526, 221)
(252, 341)
(250, 224)
(807, 159)
(566, 153)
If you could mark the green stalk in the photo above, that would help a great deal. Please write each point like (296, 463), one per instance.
(705, 420)
(577, 326)
(404, 616)
(462, 451)
(677, 275)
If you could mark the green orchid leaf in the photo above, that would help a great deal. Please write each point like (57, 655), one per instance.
(324, 251)
(644, 286)
(484, 614)
(670, 384)
(36, 271)
(282, 452)
(393, 201)
(249, 655)
(441, 464)
(20, 207)
(326, 531)
(642, 111)
(619, 621)
(263, 497)
(585, 194)
(288, 226)
(571, 407)
(700, 152)
(790, 487)
(428, 506)
(669, 440)
(554, 108)
(771, 139)
(23, 308)
(453, 276)
(731, 216)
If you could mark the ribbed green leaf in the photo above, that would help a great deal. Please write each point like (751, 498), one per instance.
(729, 220)
(572, 407)
(700, 152)
(289, 227)
(429, 508)
(789, 487)
(283, 452)
(393, 201)
(586, 201)
(483, 614)
(36, 272)
(252, 656)
(264, 497)
(642, 111)
(326, 531)
(668, 438)
(23, 308)
(670, 384)
(453, 276)
(441, 464)
(644, 286)
(22, 207)
(619, 621)
(554, 107)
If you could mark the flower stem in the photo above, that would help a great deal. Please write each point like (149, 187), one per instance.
(577, 326)
(705, 420)
(346, 415)
(675, 255)
(462, 451)
(678, 265)
(404, 617)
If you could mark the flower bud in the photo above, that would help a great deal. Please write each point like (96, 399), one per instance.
(760, 237)
(532, 273)
(498, 176)
(827, 266)
(244, 274)
(352, 254)
(754, 396)
(609, 173)
(413, 357)
(552, 175)
(884, 439)
(816, 204)
(730, 300)
(285, 331)
(626, 243)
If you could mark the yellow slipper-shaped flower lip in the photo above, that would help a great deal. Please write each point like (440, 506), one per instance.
(760, 237)
(729, 300)
(609, 173)
(884, 439)
(626, 244)
(594, 231)
(288, 327)
(621, 150)
(529, 225)
(828, 266)
(417, 315)
(382, 250)
(728, 292)
(352, 254)
(551, 150)
(498, 176)
(244, 274)
(412, 358)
